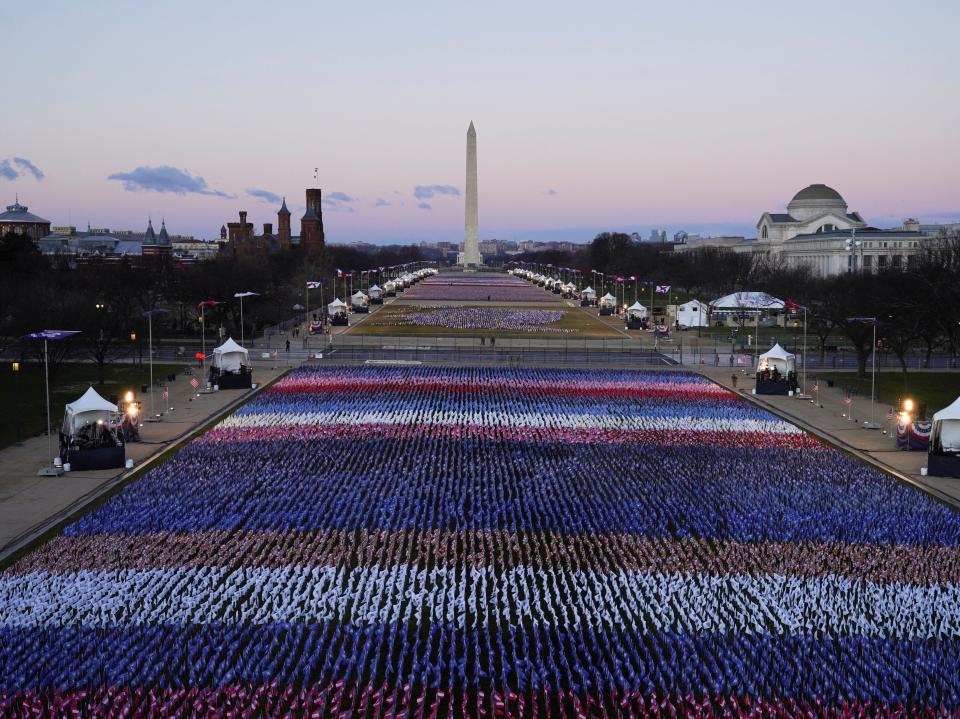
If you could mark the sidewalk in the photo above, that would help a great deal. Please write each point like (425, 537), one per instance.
(849, 434)
(29, 503)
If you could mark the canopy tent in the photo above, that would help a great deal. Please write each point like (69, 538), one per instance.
(358, 298)
(693, 314)
(230, 357)
(946, 429)
(747, 301)
(336, 306)
(608, 300)
(89, 409)
(636, 310)
(375, 291)
(589, 292)
(777, 358)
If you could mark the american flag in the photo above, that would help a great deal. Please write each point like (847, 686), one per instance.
(663, 289)
(165, 395)
(312, 285)
(816, 387)
(194, 382)
(847, 400)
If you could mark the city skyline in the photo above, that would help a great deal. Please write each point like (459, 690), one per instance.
(626, 117)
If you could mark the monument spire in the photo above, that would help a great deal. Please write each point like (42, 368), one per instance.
(471, 235)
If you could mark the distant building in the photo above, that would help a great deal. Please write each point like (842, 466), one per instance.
(819, 232)
(155, 245)
(312, 239)
(658, 235)
(21, 222)
(102, 242)
(241, 240)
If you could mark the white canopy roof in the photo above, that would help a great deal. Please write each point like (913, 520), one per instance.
(776, 357)
(86, 410)
(373, 289)
(359, 295)
(946, 427)
(748, 300)
(608, 296)
(589, 291)
(229, 356)
(336, 303)
(636, 307)
(690, 303)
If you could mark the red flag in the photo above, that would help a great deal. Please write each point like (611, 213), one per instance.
(791, 305)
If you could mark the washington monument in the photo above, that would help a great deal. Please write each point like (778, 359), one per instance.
(471, 235)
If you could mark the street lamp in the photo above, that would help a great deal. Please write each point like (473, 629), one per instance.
(149, 315)
(15, 366)
(47, 336)
(872, 424)
(241, 295)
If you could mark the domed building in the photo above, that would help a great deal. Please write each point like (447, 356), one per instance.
(21, 222)
(818, 231)
(816, 208)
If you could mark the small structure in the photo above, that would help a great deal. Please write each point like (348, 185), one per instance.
(637, 317)
(230, 368)
(741, 307)
(376, 295)
(588, 298)
(567, 291)
(693, 314)
(608, 304)
(90, 437)
(389, 288)
(359, 302)
(556, 285)
(776, 371)
(944, 459)
(337, 313)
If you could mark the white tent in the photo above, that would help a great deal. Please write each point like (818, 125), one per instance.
(636, 310)
(358, 299)
(747, 301)
(336, 307)
(229, 356)
(375, 291)
(589, 293)
(777, 357)
(608, 300)
(90, 408)
(945, 434)
(693, 314)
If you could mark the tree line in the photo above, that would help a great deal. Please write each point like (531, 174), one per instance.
(916, 307)
(106, 299)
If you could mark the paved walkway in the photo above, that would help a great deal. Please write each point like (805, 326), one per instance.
(833, 420)
(29, 502)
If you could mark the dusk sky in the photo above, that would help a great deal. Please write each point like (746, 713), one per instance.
(619, 115)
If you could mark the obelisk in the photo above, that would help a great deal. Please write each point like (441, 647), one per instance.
(471, 235)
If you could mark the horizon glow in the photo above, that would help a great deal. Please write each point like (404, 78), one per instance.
(635, 116)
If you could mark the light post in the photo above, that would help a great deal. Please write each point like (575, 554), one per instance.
(852, 245)
(241, 295)
(46, 336)
(203, 327)
(15, 366)
(872, 424)
(149, 315)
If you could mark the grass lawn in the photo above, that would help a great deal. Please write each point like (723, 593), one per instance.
(388, 322)
(22, 396)
(937, 389)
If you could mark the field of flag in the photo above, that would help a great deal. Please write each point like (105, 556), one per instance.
(434, 542)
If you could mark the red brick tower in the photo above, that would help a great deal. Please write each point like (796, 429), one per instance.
(283, 226)
(311, 225)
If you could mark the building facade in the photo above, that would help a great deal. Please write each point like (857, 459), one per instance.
(19, 221)
(819, 232)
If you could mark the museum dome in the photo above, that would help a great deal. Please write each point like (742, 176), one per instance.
(815, 200)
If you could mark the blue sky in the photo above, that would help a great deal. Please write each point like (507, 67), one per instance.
(620, 114)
